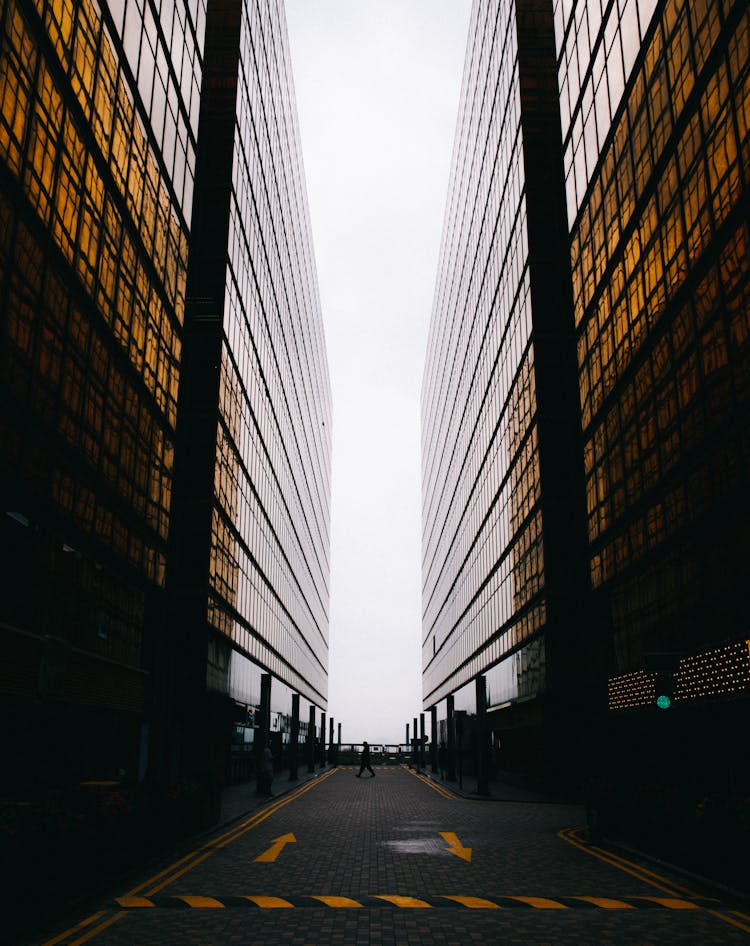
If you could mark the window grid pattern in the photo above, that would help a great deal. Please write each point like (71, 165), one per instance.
(598, 42)
(661, 293)
(270, 545)
(483, 586)
(92, 279)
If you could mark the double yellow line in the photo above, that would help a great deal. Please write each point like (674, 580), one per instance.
(159, 881)
(435, 786)
(574, 836)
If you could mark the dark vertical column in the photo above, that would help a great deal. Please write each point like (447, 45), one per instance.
(415, 745)
(192, 723)
(322, 755)
(482, 754)
(576, 652)
(261, 741)
(407, 736)
(450, 764)
(311, 741)
(331, 752)
(460, 719)
(421, 741)
(294, 738)
(338, 743)
(433, 739)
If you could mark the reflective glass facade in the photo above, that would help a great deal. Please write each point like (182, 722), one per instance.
(254, 449)
(657, 183)
(499, 377)
(98, 123)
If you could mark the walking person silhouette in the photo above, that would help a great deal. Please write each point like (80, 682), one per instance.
(365, 761)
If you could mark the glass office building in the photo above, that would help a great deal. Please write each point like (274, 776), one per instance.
(503, 525)
(98, 124)
(165, 413)
(250, 565)
(655, 106)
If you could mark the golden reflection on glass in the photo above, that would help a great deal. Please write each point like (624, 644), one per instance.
(79, 390)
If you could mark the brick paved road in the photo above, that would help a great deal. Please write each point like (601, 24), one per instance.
(367, 840)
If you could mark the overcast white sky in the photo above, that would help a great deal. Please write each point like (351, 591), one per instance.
(377, 85)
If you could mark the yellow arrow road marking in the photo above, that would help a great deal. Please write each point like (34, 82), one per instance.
(455, 846)
(276, 848)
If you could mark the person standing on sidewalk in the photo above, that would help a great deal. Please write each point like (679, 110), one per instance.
(365, 761)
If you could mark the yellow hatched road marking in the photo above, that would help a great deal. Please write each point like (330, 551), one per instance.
(475, 903)
(338, 901)
(130, 902)
(208, 903)
(409, 902)
(272, 903)
(541, 903)
(607, 903)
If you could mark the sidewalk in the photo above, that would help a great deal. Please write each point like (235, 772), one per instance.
(502, 787)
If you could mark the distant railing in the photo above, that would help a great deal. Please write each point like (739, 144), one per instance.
(380, 753)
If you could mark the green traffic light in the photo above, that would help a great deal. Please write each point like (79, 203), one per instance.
(663, 701)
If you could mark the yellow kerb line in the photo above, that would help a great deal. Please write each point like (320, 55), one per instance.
(186, 863)
(642, 873)
(73, 929)
(446, 793)
(200, 854)
(615, 862)
(643, 870)
(97, 929)
(731, 919)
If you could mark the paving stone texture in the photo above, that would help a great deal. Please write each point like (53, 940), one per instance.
(369, 837)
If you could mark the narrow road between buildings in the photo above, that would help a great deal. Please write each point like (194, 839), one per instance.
(399, 860)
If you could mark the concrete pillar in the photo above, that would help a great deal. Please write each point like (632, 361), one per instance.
(264, 729)
(433, 739)
(311, 741)
(482, 753)
(415, 746)
(294, 738)
(421, 741)
(322, 755)
(450, 765)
